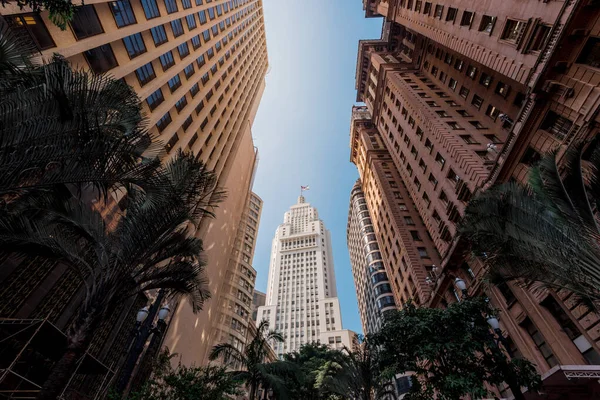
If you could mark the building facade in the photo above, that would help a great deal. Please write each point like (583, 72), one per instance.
(236, 293)
(459, 96)
(198, 66)
(258, 299)
(373, 289)
(302, 300)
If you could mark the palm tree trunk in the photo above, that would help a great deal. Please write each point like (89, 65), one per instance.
(65, 367)
(252, 395)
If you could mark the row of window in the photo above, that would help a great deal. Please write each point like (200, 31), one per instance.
(512, 32)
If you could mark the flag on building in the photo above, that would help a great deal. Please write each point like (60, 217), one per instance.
(304, 187)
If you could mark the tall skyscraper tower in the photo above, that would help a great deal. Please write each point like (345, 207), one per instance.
(302, 300)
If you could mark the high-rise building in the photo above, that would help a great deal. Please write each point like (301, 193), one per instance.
(198, 67)
(373, 291)
(236, 293)
(258, 299)
(460, 96)
(302, 300)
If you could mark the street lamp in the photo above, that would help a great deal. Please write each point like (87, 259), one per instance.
(145, 328)
(462, 286)
(499, 337)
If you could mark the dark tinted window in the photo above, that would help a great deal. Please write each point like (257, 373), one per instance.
(155, 99)
(177, 27)
(174, 83)
(134, 45)
(85, 23)
(35, 28)
(167, 60)
(101, 59)
(145, 73)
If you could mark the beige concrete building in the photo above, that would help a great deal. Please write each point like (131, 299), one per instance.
(198, 67)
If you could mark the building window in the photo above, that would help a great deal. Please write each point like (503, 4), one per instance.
(513, 30)
(186, 124)
(454, 125)
(468, 139)
(186, 4)
(177, 27)
(540, 34)
(159, 35)
(502, 89)
(566, 324)
(34, 26)
(123, 13)
(202, 17)
(464, 113)
(492, 112)
(171, 143)
(451, 15)
(150, 9)
(409, 221)
(485, 79)
(191, 21)
(508, 294)
(439, 11)
(477, 101)
(134, 45)
(464, 92)
(181, 103)
(101, 59)
(155, 99)
(174, 83)
(557, 125)
(415, 235)
(194, 90)
(167, 60)
(145, 73)
(467, 18)
(163, 122)
(440, 160)
(472, 72)
(200, 61)
(189, 71)
(452, 84)
(85, 22)
(427, 8)
(590, 55)
(199, 107)
(422, 252)
(477, 124)
(171, 6)
(196, 42)
(206, 35)
(487, 24)
(539, 341)
(183, 50)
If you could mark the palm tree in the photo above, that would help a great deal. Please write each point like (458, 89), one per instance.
(152, 247)
(62, 127)
(358, 375)
(545, 231)
(255, 370)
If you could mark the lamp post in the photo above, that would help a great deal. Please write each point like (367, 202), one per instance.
(497, 338)
(144, 328)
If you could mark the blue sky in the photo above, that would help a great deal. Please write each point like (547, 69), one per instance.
(303, 124)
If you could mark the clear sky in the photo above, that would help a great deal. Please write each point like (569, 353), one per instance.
(303, 124)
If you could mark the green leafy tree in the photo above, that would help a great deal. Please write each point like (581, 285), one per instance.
(251, 364)
(185, 383)
(313, 362)
(451, 352)
(359, 374)
(547, 230)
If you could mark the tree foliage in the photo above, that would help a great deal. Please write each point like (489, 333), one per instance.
(545, 231)
(252, 366)
(187, 383)
(60, 12)
(451, 352)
